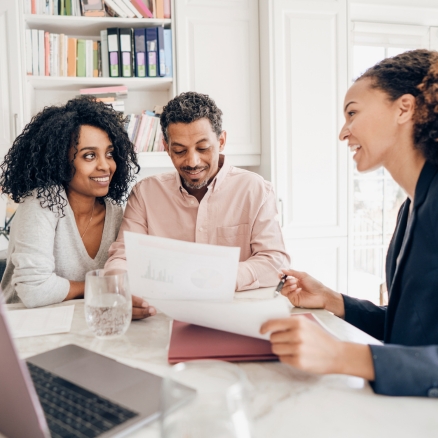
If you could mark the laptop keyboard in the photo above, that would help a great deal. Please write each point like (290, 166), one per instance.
(72, 411)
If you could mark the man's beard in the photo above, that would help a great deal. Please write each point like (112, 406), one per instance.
(195, 186)
(190, 184)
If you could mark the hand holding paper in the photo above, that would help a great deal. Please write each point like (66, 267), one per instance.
(241, 317)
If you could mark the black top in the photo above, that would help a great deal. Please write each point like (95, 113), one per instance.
(408, 362)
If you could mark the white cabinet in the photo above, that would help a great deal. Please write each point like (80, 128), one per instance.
(10, 73)
(305, 50)
(218, 54)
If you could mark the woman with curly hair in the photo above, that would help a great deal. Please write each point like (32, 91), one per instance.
(70, 170)
(391, 114)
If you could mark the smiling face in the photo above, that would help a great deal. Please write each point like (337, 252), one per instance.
(94, 164)
(194, 149)
(374, 124)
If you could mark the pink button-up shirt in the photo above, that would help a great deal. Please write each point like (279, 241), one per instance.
(238, 209)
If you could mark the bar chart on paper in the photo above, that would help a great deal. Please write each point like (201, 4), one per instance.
(164, 268)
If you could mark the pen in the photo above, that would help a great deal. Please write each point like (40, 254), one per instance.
(280, 285)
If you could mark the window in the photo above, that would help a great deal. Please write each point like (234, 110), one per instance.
(376, 197)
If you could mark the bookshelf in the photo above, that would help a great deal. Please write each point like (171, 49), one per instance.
(143, 93)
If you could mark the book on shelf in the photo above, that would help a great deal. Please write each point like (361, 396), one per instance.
(120, 52)
(159, 9)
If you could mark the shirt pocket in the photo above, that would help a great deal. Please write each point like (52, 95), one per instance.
(235, 236)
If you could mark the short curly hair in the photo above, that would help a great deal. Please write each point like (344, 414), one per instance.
(414, 72)
(39, 157)
(189, 107)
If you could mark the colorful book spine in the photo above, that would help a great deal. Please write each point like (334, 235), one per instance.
(72, 56)
(80, 64)
(47, 53)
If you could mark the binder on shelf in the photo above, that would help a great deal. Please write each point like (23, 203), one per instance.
(142, 8)
(113, 52)
(29, 52)
(151, 49)
(68, 7)
(140, 52)
(104, 52)
(80, 65)
(126, 52)
(71, 57)
(161, 53)
(168, 52)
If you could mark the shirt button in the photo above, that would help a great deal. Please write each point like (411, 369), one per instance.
(433, 392)
(201, 229)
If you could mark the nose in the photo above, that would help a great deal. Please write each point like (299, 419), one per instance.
(192, 158)
(344, 134)
(103, 163)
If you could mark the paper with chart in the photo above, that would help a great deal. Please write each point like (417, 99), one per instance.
(176, 270)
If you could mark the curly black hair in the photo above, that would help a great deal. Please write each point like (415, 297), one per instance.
(39, 157)
(414, 72)
(189, 107)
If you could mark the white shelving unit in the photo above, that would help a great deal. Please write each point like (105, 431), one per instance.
(143, 93)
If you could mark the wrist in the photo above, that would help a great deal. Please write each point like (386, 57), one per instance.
(334, 302)
(355, 360)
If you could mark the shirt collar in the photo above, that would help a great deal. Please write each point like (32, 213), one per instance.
(217, 180)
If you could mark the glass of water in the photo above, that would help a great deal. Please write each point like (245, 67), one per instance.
(108, 303)
(218, 409)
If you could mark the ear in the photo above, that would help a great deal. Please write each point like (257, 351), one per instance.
(166, 146)
(406, 106)
(222, 141)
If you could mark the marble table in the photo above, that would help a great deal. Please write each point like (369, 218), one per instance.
(287, 402)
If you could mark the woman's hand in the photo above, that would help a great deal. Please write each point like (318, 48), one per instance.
(305, 291)
(141, 308)
(305, 345)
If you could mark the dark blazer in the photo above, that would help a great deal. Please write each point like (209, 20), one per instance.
(408, 362)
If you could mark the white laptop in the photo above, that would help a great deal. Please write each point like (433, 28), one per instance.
(73, 392)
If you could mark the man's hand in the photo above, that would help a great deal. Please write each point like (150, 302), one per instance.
(305, 291)
(141, 309)
(306, 346)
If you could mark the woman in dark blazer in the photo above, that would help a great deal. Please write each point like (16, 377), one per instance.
(391, 114)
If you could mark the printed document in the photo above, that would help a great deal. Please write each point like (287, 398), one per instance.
(241, 317)
(176, 270)
(38, 322)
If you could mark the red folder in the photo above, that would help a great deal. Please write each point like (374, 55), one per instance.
(191, 342)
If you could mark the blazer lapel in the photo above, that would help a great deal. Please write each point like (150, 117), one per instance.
(400, 245)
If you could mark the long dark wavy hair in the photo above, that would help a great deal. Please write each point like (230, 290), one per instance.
(414, 72)
(39, 157)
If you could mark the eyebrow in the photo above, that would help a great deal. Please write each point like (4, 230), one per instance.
(93, 148)
(174, 144)
(349, 103)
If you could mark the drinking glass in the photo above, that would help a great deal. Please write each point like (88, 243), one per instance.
(219, 409)
(108, 303)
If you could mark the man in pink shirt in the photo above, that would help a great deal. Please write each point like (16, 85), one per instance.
(206, 200)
